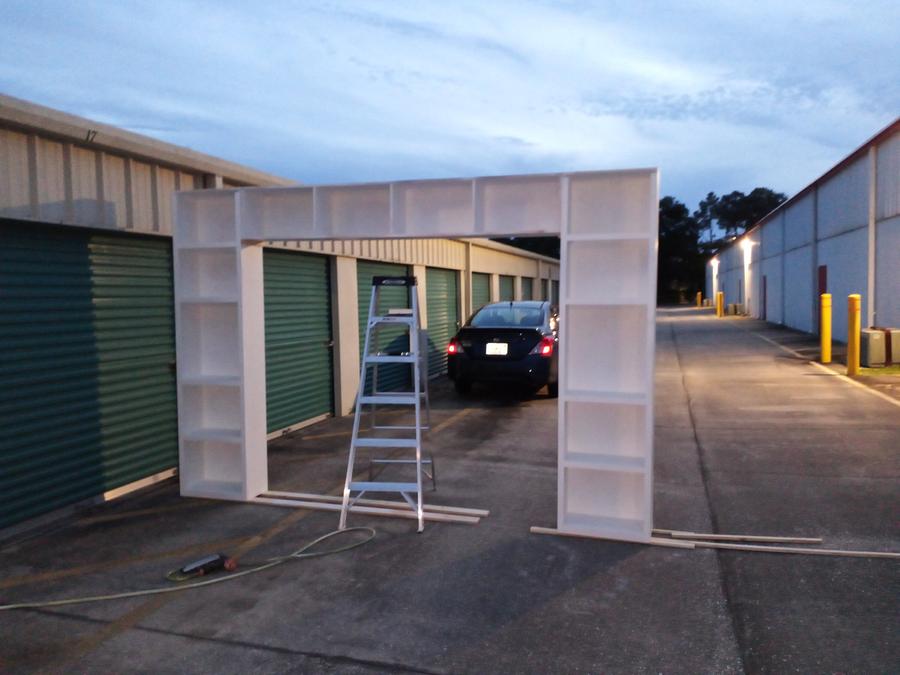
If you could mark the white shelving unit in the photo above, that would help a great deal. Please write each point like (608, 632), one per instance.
(607, 221)
(607, 306)
(215, 458)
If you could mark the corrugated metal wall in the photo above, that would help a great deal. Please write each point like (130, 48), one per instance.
(87, 385)
(830, 225)
(299, 369)
(391, 376)
(442, 290)
(481, 290)
(47, 180)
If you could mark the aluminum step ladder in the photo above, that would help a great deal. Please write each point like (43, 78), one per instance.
(408, 319)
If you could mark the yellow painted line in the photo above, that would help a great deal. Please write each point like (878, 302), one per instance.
(829, 371)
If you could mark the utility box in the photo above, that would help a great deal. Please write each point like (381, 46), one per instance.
(871, 348)
(891, 344)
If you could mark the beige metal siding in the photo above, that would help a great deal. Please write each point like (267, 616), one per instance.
(15, 179)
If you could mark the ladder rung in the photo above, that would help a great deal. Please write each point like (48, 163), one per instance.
(396, 427)
(405, 320)
(385, 442)
(389, 358)
(375, 486)
(399, 461)
(393, 399)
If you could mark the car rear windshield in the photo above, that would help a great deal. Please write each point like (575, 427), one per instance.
(506, 315)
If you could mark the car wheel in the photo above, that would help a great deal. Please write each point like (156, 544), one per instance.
(553, 389)
(463, 387)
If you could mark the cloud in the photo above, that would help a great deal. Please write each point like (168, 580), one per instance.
(721, 95)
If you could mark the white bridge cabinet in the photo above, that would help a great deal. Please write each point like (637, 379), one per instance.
(607, 221)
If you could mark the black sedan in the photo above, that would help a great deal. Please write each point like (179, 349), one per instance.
(507, 342)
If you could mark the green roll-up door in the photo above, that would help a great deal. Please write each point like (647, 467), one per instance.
(554, 293)
(299, 375)
(507, 288)
(392, 376)
(87, 349)
(527, 288)
(544, 294)
(481, 290)
(442, 296)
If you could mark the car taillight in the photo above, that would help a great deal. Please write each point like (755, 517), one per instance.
(544, 347)
(453, 347)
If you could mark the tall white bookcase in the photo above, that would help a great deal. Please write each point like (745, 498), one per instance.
(607, 221)
(221, 351)
(607, 308)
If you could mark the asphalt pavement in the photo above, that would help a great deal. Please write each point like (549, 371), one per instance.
(749, 439)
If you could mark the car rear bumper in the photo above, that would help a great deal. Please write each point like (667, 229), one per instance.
(532, 370)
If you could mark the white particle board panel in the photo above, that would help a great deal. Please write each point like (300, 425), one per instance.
(624, 264)
(603, 352)
(352, 211)
(517, 205)
(208, 272)
(433, 206)
(608, 225)
(614, 203)
(205, 217)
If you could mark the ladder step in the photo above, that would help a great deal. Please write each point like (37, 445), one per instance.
(375, 486)
(400, 427)
(385, 442)
(389, 358)
(390, 399)
(404, 320)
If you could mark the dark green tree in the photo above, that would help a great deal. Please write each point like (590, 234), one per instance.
(680, 271)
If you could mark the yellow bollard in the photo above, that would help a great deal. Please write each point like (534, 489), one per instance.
(825, 328)
(720, 304)
(699, 299)
(853, 329)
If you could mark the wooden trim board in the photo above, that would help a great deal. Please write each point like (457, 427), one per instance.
(334, 499)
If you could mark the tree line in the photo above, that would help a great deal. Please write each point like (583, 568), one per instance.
(687, 238)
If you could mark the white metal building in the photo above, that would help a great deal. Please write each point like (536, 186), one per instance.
(87, 369)
(839, 235)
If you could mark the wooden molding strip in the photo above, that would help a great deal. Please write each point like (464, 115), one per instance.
(334, 499)
(368, 510)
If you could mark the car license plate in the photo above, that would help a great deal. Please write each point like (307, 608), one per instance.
(496, 348)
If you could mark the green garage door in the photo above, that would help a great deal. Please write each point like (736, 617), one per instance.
(392, 376)
(299, 376)
(481, 290)
(554, 293)
(87, 352)
(507, 288)
(544, 293)
(442, 291)
(527, 288)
